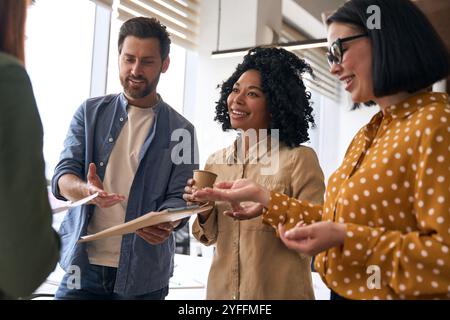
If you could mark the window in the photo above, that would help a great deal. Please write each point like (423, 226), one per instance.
(58, 57)
(314, 132)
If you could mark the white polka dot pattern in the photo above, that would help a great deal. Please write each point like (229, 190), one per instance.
(392, 192)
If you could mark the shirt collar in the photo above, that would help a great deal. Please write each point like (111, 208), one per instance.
(124, 103)
(253, 152)
(412, 104)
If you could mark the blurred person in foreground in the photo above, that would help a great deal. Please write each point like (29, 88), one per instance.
(29, 247)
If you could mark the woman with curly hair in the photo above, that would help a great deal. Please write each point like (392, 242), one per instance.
(265, 93)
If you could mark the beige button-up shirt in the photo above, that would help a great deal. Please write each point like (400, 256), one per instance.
(250, 262)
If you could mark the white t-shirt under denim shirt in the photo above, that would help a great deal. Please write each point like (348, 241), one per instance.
(122, 165)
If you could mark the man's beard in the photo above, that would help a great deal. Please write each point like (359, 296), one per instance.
(139, 93)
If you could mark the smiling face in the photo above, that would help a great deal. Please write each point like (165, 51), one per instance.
(247, 103)
(140, 67)
(355, 71)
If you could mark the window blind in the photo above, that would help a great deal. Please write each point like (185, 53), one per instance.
(324, 83)
(181, 17)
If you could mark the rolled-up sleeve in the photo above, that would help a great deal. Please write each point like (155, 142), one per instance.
(73, 155)
(206, 231)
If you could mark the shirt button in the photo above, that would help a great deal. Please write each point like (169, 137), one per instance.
(111, 140)
(101, 164)
(234, 298)
(121, 119)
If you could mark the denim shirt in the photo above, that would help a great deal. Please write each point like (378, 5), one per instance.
(158, 184)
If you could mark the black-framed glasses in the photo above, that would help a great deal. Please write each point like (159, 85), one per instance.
(335, 52)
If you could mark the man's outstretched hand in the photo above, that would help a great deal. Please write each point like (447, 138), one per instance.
(94, 184)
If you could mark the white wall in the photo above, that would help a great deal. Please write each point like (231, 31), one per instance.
(202, 77)
(351, 121)
(337, 125)
(58, 60)
(242, 25)
(328, 125)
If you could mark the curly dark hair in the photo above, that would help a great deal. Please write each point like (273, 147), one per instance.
(287, 99)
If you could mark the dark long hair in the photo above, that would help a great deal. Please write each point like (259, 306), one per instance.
(408, 54)
(12, 27)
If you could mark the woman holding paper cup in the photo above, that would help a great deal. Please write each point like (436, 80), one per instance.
(384, 231)
(265, 92)
(28, 244)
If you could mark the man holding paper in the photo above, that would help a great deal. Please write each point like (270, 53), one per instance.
(121, 147)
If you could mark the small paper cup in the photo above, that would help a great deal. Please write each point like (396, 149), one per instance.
(204, 179)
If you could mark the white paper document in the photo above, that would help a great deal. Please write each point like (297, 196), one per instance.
(149, 219)
(70, 204)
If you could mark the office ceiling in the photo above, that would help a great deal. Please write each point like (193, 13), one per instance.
(316, 7)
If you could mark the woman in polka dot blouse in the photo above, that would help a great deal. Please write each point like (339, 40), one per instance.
(384, 230)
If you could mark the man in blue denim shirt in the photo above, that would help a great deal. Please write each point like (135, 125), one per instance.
(121, 146)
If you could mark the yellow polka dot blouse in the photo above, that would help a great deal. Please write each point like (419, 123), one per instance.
(392, 192)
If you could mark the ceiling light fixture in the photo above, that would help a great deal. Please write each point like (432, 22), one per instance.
(290, 46)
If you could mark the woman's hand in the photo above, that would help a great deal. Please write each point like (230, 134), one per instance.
(314, 238)
(245, 211)
(235, 192)
(189, 189)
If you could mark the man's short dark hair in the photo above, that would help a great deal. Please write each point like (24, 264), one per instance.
(143, 28)
(408, 54)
